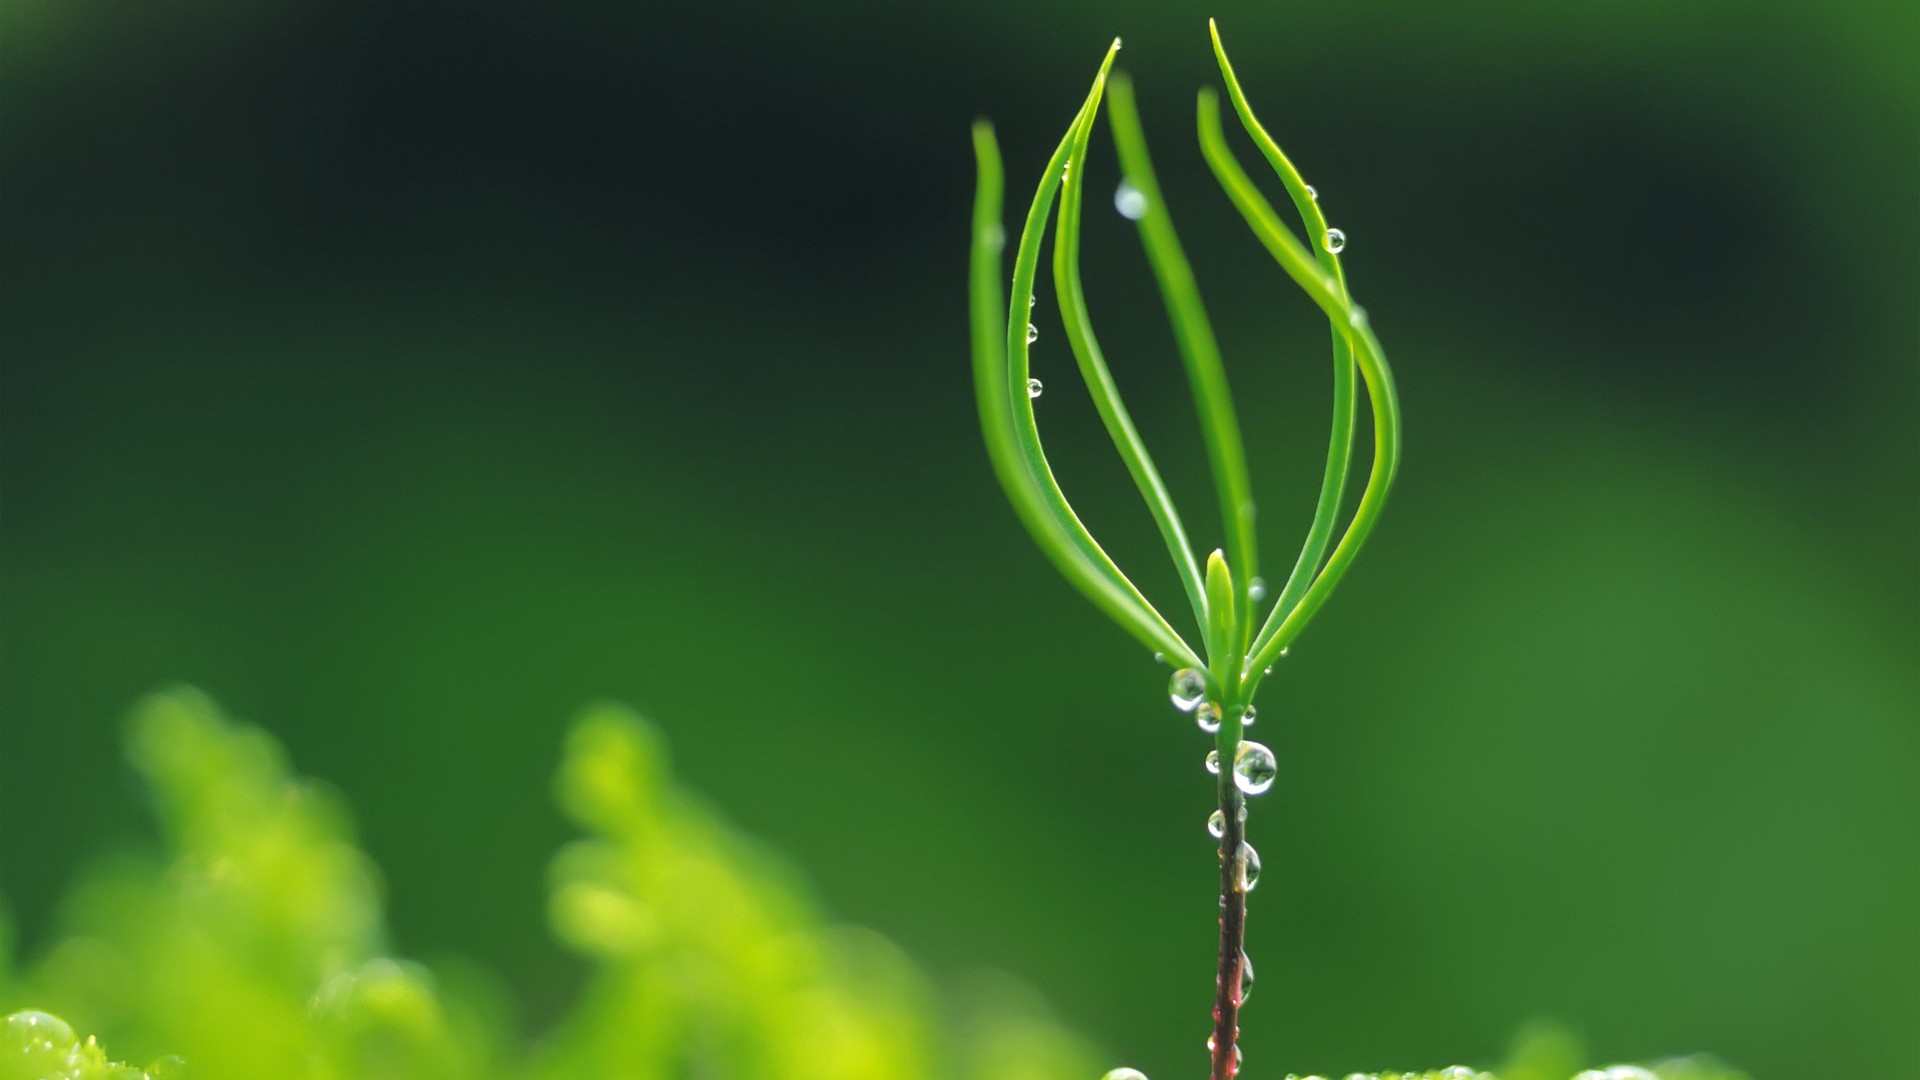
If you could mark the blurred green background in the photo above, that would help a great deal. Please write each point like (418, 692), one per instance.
(408, 374)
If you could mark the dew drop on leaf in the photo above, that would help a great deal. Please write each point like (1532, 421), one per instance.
(1033, 333)
(1130, 201)
(1253, 768)
(1124, 1073)
(1257, 590)
(1246, 716)
(1312, 193)
(1187, 688)
(1334, 241)
(1034, 388)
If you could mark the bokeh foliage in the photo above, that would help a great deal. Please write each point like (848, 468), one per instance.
(256, 945)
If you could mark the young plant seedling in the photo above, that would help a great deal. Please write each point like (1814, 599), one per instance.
(1242, 630)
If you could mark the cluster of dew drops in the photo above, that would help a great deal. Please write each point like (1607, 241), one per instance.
(1254, 767)
(1254, 770)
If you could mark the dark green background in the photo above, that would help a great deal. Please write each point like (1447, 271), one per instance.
(406, 375)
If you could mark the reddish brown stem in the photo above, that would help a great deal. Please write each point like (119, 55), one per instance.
(1233, 933)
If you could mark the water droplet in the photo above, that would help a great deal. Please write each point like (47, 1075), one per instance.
(1253, 768)
(1628, 1072)
(1457, 1072)
(1249, 862)
(32, 1032)
(1130, 201)
(1312, 193)
(1257, 590)
(1335, 241)
(1159, 658)
(1236, 1052)
(1217, 824)
(1288, 651)
(1356, 316)
(1590, 1074)
(1031, 300)
(1187, 687)
(1213, 762)
(1208, 717)
(1033, 333)
(1362, 1076)
(1124, 1073)
(1246, 716)
(1116, 44)
(1246, 976)
(1034, 388)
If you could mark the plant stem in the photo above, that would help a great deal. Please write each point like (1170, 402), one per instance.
(1233, 931)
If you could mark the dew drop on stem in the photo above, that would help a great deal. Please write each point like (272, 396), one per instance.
(1187, 689)
(1034, 388)
(1217, 821)
(1246, 977)
(1254, 768)
(1248, 861)
(1208, 717)
(1213, 762)
(1246, 716)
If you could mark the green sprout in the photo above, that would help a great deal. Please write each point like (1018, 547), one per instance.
(1238, 644)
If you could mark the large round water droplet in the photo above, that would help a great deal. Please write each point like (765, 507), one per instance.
(1334, 241)
(31, 1030)
(1213, 762)
(1124, 1073)
(1208, 717)
(1246, 976)
(1187, 688)
(1033, 333)
(1249, 865)
(1034, 388)
(1457, 1072)
(1253, 768)
(1130, 201)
